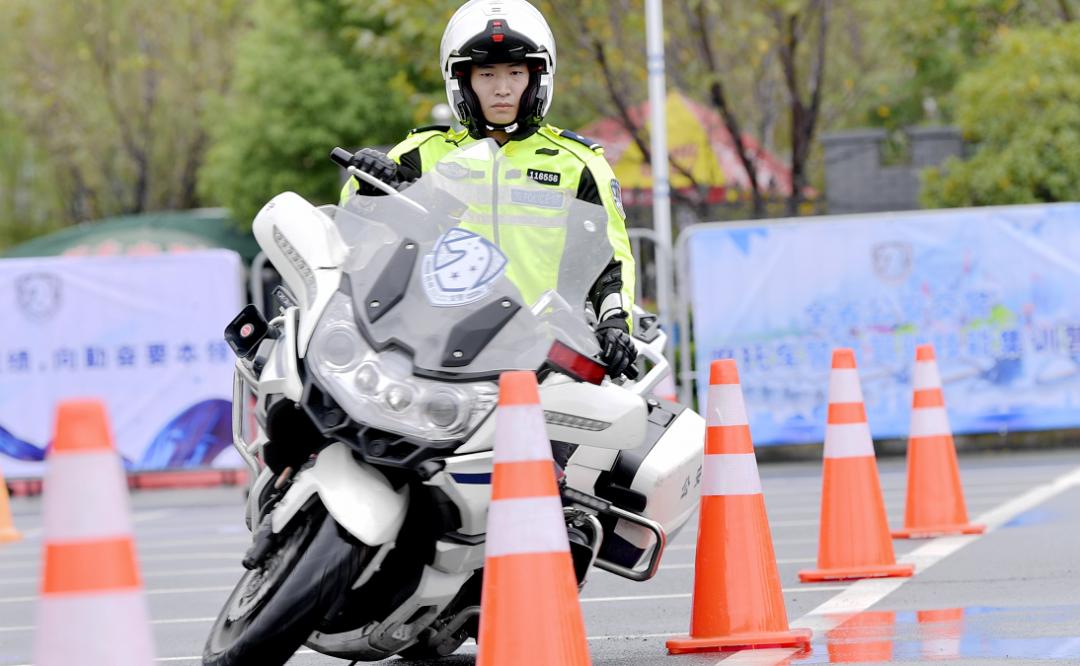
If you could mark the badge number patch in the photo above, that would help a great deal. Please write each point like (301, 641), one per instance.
(545, 177)
(461, 269)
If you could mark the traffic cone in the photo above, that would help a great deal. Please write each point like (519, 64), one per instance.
(935, 498)
(737, 602)
(92, 609)
(854, 538)
(530, 614)
(7, 526)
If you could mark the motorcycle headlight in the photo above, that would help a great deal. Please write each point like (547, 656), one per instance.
(444, 408)
(378, 389)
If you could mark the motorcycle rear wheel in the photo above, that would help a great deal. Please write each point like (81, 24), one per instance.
(276, 606)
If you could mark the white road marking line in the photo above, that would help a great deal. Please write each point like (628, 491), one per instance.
(24, 549)
(35, 562)
(790, 560)
(152, 574)
(170, 590)
(894, 508)
(237, 556)
(468, 644)
(31, 534)
(865, 593)
(179, 620)
(693, 546)
(687, 595)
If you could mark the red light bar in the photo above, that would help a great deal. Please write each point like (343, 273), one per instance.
(576, 365)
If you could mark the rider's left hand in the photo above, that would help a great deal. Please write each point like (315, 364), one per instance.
(617, 349)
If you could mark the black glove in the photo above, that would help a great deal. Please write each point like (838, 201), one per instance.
(377, 164)
(617, 350)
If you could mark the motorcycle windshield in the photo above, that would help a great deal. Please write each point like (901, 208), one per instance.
(478, 267)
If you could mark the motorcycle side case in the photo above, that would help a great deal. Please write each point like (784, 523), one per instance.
(660, 480)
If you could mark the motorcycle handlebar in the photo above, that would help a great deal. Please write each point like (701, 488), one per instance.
(341, 157)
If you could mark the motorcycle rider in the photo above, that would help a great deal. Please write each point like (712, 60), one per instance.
(498, 62)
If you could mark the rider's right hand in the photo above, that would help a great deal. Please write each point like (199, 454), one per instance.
(377, 164)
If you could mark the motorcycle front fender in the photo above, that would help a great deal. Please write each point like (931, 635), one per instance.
(355, 494)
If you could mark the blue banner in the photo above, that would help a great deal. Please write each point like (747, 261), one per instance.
(996, 290)
(141, 333)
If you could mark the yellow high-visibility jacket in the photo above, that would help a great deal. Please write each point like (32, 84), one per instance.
(571, 166)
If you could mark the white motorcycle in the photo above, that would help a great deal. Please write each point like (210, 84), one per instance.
(365, 411)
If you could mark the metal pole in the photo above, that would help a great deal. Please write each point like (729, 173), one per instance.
(654, 33)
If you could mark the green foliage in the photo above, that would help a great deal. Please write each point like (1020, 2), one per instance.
(1021, 108)
(302, 87)
(406, 34)
(935, 42)
(110, 100)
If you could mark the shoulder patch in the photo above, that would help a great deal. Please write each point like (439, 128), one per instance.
(430, 128)
(616, 194)
(592, 145)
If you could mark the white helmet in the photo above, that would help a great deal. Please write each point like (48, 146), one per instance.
(494, 31)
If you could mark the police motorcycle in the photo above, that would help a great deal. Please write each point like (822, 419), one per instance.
(365, 410)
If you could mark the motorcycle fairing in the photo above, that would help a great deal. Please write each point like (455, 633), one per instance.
(355, 494)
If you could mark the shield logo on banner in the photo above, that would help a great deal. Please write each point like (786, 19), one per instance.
(38, 295)
(892, 261)
(462, 268)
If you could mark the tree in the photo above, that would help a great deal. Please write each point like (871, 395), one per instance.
(110, 99)
(753, 62)
(935, 42)
(309, 76)
(1021, 109)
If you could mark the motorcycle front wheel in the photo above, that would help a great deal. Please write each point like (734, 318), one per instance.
(277, 605)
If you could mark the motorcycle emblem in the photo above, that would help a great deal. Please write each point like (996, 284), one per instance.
(461, 269)
(38, 295)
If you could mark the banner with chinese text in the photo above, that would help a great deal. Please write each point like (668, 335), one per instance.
(996, 290)
(144, 334)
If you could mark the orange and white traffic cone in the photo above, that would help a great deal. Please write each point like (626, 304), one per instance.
(935, 497)
(854, 539)
(7, 525)
(738, 602)
(530, 614)
(92, 609)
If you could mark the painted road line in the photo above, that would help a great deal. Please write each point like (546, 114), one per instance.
(814, 489)
(145, 574)
(30, 535)
(776, 542)
(687, 595)
(216, 541)
(791, 560)
(35, 563)
(863, 594)
(149, 591)
(179, 620)
(896, 507)
(470, 645)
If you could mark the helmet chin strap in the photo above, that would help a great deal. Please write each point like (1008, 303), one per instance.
(508, 128)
